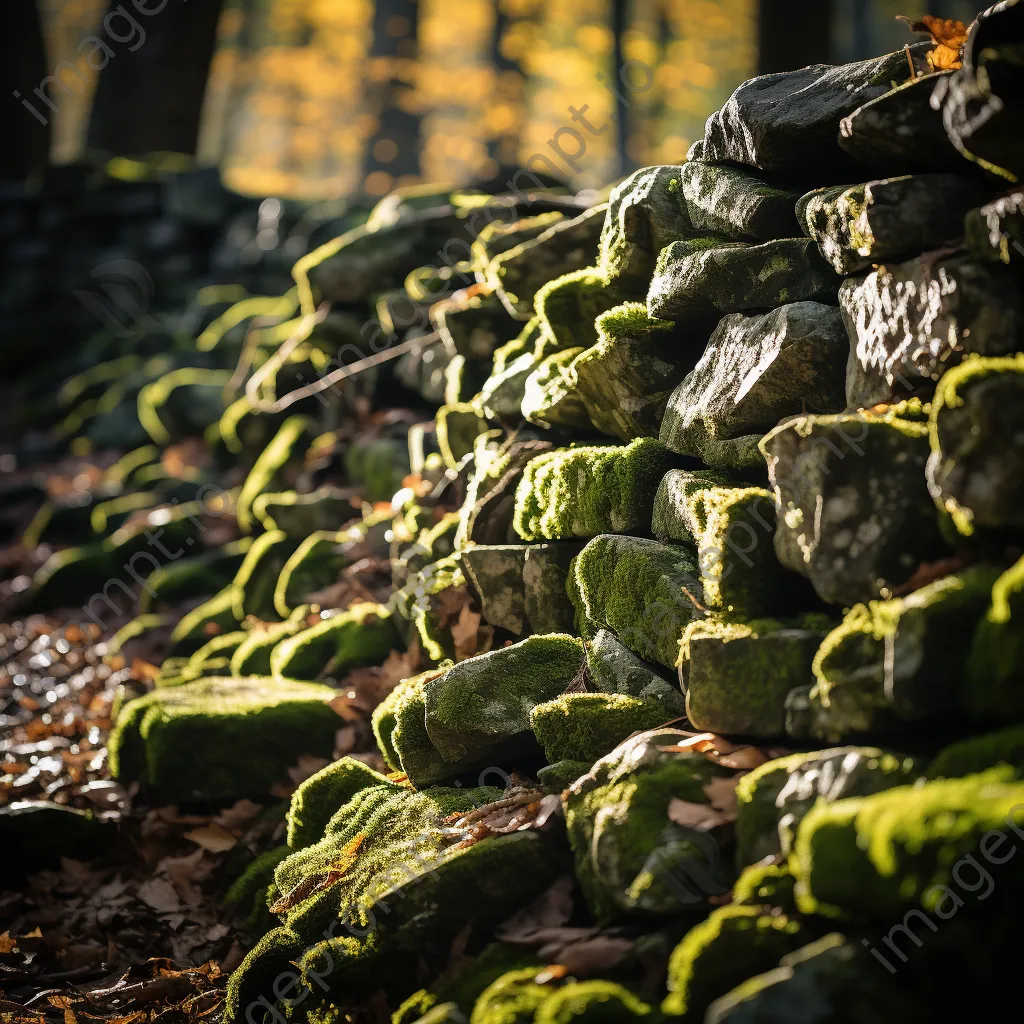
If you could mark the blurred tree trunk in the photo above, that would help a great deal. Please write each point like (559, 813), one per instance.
(509, 92)
(150, 95)
(26, 135)
(792, 34)
(623, 121)
(394, 145)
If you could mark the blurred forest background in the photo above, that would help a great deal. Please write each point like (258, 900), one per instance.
(317, 98)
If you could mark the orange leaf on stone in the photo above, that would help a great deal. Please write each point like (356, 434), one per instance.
(948, 35)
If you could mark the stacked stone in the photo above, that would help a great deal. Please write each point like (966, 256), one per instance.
(747, 472)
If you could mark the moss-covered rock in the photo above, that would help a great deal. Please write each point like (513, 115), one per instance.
(644, 592)
(312, 566)
(773, 799)
(582, 492)
(486, 701)
(362, 635)
(252, 656)
(214, 657)
(183, 403)
(880, 855)
(550, 398)
(677, 516)
(724, 950)
(274, 469)
(979, 753)
(896, 661)
(766, 884)
(568, 308)
(200, 576)
(496, 574)
(422, 601)
(630, 856)
(299, 515)
(247, 895)
(256, 580)
(739, 673)
(36, 834)
(220, 738)
(586, 726)
(971, 474)
(625, 380)
(458, 427)
(398, 889)
(855, 516)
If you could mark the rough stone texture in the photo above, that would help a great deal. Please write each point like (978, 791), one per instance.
(912, 320)
(485, 701)
(731, 202)
(630, 857)
(626, 378)
(545, 575)
(731, 277)
(472, 326)
(674, 520)
(900, 132)
(977, 440)
(790, 121)
(642, 591)
(897, 661)
(889, 219)
(855, 516)
(518, 274)
(995, 233)
(755, 371)
(645, 213)
(738, 675)
(549, 393)
(773, 799)
(496, 573)
(614, 668)
(982, 106)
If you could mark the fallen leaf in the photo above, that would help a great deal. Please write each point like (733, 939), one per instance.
(721, 794)
(7, 944)
(948, 35)
(317, 881)
(469, 636)
(159, 894)
(593, 956)
(213, 837)
(742, 759)
(239, 814)
(698, 816)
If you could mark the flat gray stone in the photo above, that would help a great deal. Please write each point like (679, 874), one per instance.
(899, 132)
(909, 322)
(894, 218)
(854, 513)
(614, 668)
(755, 371)
(496, 573)
(694, 278)
(790, 121)
(730, 201)
(545, 575)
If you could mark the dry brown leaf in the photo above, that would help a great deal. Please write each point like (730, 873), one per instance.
(318, 881)
(7, 944)
(742, 758)
(721, 794)
(213, 837)
(948, 35)
(469, 636)
(239, 814)
(159, 894)
(698, 816)
(593, 956)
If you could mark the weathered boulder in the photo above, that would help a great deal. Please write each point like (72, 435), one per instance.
(566, 246)
(674, 519)
(550, 398)
(615, 669)
(789, 122)
(889, 219)
(733, 203)
(896, 661)
(977, 430)
(981, 103)
(626, 378)
(773, 799)
(855, 516)
(909, 321)
(738, 674)
(645, 213)
(995, 232)
(644, 592)
(546, 569)
(256, 580)
(630, 855)
(756, 371)
(275, 469)
(221, 738)
(496, 574)
(299, 515)
(900, 132)
(704, 276)
(583, 492)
